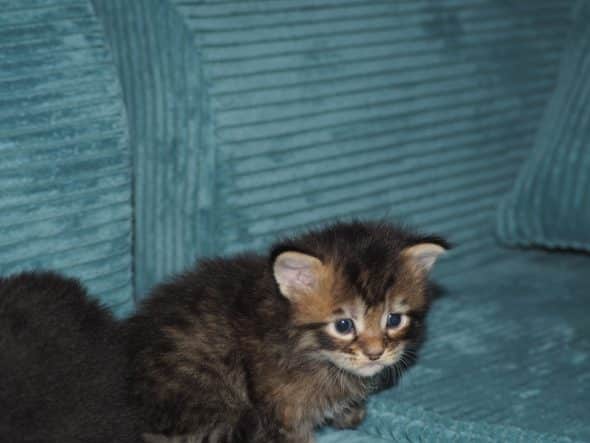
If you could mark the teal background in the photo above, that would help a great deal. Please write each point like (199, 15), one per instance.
(254, 119)
(137, 136)
(549, 204)
(65, 166)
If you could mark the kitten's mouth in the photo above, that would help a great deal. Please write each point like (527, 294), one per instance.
(362, 367)
(369, 368)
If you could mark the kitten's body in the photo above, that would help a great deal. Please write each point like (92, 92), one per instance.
(223, 322)
(62, 364)
(245, 350)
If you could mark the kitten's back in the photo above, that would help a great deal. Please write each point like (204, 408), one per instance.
(61, 365)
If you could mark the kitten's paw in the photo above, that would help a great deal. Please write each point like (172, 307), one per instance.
(350, 417)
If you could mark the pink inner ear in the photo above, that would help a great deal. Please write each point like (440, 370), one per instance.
(296, 272)
(305, 278)
(424, 255)
(294, 275)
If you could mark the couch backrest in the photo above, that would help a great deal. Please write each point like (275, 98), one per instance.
(65, 178)
(253, 119)
(249, 120)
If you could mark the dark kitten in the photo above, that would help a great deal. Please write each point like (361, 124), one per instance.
(266, 348)
(62, 365)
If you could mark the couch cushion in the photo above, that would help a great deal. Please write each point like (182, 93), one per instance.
(549, 204)
(254, 119)
(65, 179)
(391, 422)
(506, 359)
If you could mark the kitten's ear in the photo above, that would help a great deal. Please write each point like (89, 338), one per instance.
(296, 273)
(423, 255)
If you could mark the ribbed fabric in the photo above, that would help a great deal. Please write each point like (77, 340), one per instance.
(371, 109)
(392, 422)
(549, 205)
(65, 182)
(305, 111)
(158, 67)
(506, 360)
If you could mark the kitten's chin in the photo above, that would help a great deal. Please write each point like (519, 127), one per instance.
(368, 370)
(365, 370)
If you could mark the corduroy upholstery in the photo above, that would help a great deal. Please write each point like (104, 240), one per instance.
(549, 203)
(65, 194)
(252, 119)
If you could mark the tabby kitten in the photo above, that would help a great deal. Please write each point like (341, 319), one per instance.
(266, 348)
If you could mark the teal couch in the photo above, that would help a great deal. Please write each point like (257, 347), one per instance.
(138, 135)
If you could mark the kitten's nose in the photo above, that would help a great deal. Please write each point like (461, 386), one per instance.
(374, 355)
(373, 347)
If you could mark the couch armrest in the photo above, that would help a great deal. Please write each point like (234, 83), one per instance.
(65, 179)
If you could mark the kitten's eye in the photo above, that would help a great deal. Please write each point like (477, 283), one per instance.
(344, 326)
(393, 320)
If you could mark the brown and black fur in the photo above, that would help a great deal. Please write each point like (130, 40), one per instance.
(221, 354)
(62, 365)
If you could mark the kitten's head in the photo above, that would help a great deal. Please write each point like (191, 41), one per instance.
(357, 291)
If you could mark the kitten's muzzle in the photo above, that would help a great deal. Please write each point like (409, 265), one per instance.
(376, 355)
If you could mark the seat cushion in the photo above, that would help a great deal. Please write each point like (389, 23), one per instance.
(65, 176)
(507, 359)
(549, 204)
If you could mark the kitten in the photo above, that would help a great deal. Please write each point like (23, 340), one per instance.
(62, 364)
(266, 348)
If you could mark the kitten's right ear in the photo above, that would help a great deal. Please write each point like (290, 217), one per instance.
(424, 255)
(297, 274)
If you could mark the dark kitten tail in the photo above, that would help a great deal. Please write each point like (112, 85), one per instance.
(61, 365)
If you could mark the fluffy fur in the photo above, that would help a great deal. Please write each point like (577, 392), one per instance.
(247, 349)
(62, 365)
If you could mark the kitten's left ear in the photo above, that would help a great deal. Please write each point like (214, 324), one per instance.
(424, 255)
(297, 274)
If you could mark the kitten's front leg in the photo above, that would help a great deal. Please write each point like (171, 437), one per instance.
(350, 416)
